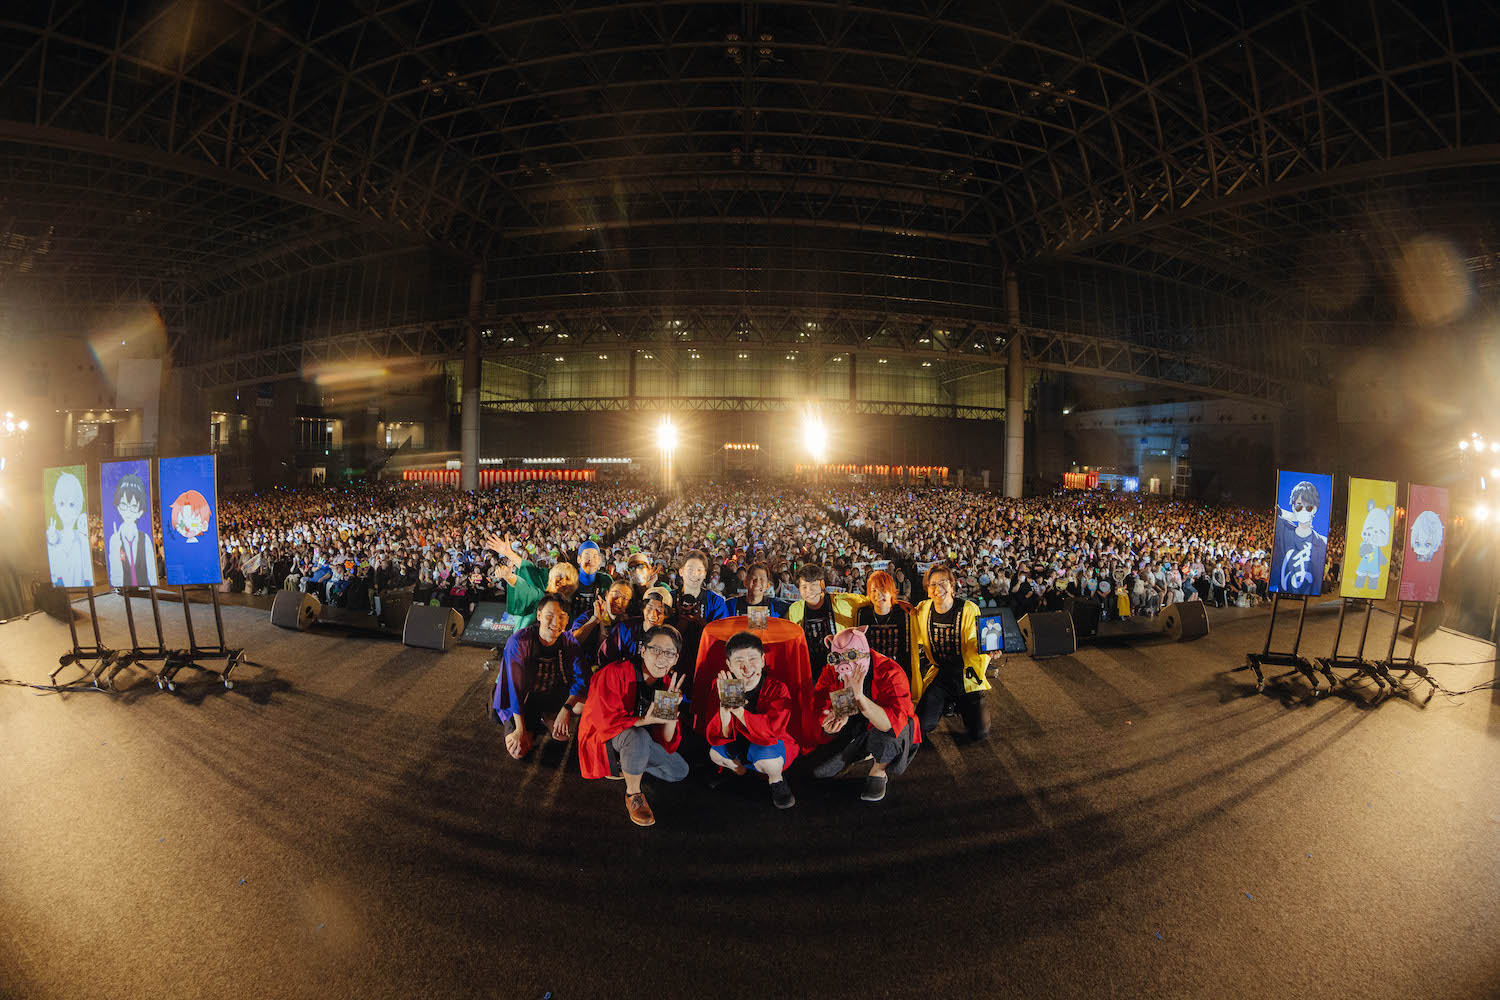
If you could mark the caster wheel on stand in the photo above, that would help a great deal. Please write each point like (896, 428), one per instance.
(228, 684)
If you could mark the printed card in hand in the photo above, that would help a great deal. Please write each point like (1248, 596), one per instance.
(758, 618)
(666, 705)
(733, 695)
(843, 701)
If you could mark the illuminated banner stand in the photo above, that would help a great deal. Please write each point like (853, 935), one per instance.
(126, 490)
(190, 540)
(1299, 550)
(70, 566)
(1365, 579)
(1421, 577)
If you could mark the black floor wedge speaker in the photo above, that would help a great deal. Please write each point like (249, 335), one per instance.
(1049, 633)
(1085, 615)
(432, 628)
(293, 609)
(1186, 620)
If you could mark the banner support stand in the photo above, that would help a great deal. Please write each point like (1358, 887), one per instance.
(1357, 661)
(1407, 664)
(1283, 658)
(191, 656)
(138, 653)
(97, 651)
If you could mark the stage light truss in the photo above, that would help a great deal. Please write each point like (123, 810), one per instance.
(962, 347)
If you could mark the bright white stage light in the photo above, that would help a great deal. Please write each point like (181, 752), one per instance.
(666, 435)
(1481, 513)
(1495, 446)
(815, 436)
(1463, 446)
(23, 425)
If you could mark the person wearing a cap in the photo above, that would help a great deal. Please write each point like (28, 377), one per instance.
(753, 736)
(620, 735)
(886, 730)
(623, 640)
(591, 582)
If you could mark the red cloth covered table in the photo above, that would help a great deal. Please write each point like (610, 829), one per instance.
(786, 660)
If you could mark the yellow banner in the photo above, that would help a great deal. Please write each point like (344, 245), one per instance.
(1367, 545)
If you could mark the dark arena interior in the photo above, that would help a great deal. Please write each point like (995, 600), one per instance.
(749, 499)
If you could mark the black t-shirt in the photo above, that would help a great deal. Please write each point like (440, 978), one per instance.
(817, 625)
(549, 675)
(888, 634)
(946, 644)
(583, 598)
(689, 607)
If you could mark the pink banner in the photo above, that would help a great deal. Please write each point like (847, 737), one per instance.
(1426, 543)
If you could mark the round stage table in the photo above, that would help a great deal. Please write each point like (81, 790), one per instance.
(786, 660)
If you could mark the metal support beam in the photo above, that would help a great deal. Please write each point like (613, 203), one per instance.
(469, 476)
(1015, 393)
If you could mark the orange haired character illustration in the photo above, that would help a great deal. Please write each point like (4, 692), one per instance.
(190, 515)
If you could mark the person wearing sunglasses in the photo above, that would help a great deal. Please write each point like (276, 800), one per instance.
(1300, 551)
(882, 701)
(753, 735)
(621, 735)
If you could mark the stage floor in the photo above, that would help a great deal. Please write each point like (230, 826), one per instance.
(345, 822)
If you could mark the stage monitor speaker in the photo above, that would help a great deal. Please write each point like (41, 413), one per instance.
(1186, 620)
(432, 628)
(391, 607)
(1085, 615)
(294, 609)
(54, 601)
(1049, 633)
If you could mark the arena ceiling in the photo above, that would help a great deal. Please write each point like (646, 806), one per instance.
(612, 155)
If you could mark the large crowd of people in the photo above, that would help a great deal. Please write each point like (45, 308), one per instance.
(610, 588)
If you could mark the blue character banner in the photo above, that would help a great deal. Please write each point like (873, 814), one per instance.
(190, 520)
(1304, 502)
(129, 542)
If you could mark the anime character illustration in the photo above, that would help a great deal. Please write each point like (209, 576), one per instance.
(1302, 550)
(131, 556)
(1375, 545)
(68, 559)
(190, 515)
(1426, 535)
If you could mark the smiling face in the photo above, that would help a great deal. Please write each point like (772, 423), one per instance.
(551, 622)
(693, 574)
(757, 583)
(747, 665)
(654, 612)
(589, 561)
(811, 591)
(619, 600)
(659, 656)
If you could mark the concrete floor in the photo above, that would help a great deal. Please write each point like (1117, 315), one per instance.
(345, 822)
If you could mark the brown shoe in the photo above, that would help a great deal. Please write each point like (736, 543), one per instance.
(640, 812)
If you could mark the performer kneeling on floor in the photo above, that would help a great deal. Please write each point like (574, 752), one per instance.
(621, 735)
(749, 731)
(541, 674)
(873, 718)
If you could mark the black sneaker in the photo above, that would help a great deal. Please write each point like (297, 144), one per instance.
(874, 788)
(833, 766)
(781, 795)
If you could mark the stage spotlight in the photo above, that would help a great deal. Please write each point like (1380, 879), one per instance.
(1463, 446)
(815, 436)
(1481, 513)
(23, 425)
(666, 435)
(1495, 446)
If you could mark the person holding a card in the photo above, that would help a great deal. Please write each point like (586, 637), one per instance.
(950, 667)
(861, 682)
(749, 730)
(630, 721)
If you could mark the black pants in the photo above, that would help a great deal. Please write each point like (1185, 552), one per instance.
(971, 707)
